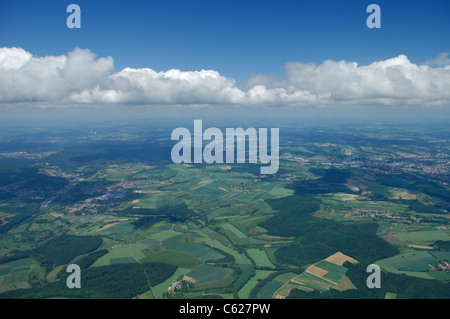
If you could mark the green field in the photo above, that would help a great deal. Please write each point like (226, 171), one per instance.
(250, 225)
(260, 258)
(118, 254)
(244, 293)
(239, 258)
(163, 235)
(441, 255)
(313, 282)
(246, 271)
(181, 259)
(15, 280)
(267, 291)
(418, 264)
(412, 264)
(122, 260)
(286, 277)
(161, 288)
(209, 275)
(24, 262)
(281, 192)
(234, 230)
(200, 251)
(286, 289)
(335, 272)
(14, 274)
(423, 236)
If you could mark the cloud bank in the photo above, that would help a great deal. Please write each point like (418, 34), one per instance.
(81, 78)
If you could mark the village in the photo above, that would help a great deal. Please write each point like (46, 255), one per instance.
(376, 214)
(440, 267)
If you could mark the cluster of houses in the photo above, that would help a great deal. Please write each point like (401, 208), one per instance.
(444, 266)
(176, 285)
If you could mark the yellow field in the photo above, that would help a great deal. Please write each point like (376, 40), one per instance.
(339, 259)
(347, 197)
(316, 271)
(404, 195)
(51, 277)
(420, 247)
(189, 279)
(107, 226)
(306, 281)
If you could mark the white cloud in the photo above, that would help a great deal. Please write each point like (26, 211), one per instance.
(441, 60)
(393, 81)
(81, 78)
(171, 87)
(24, 77)
(13, 58)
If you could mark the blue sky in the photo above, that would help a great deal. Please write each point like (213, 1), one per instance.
(236, 38)
(274, 53)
